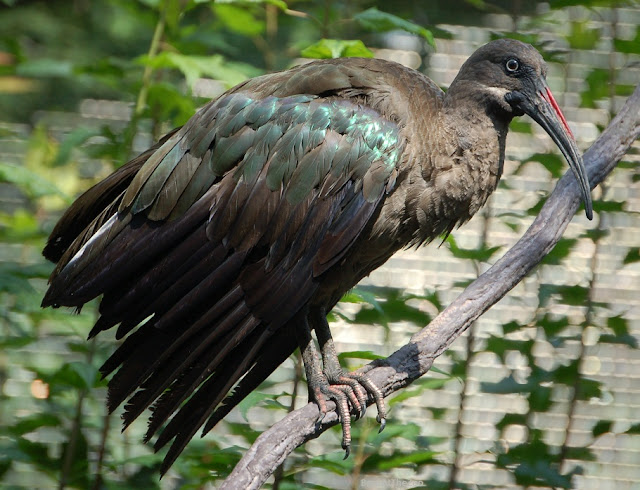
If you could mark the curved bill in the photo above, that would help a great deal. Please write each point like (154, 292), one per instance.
(545, 111)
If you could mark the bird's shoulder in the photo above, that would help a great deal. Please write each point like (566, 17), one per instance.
(397, 92)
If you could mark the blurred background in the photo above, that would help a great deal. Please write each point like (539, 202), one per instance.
(543, 391)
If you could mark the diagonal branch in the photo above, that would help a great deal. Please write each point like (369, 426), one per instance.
(416, 358)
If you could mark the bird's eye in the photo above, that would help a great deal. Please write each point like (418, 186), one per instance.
(512, 65)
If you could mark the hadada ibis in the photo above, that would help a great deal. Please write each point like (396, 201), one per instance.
(219, 250)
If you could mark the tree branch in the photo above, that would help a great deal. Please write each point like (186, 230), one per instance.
(416, 358)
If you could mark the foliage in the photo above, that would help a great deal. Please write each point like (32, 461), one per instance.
(153, 54)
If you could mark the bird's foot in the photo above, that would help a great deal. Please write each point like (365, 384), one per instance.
(350, 392)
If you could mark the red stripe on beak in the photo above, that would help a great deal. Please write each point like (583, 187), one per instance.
(549, 97)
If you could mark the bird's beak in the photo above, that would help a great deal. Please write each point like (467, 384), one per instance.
(544, 109)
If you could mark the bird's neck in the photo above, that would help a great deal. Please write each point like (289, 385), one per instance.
(459, 165)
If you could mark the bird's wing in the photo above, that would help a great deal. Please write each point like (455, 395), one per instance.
(217, 244)
(92, 203)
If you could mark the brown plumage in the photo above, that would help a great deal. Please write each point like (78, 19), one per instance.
(217, 251)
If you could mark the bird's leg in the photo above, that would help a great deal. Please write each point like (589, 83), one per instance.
(349, 383)
(319, 388)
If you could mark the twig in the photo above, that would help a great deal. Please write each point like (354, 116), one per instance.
(416, 358)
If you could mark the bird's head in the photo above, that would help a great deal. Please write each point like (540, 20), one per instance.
(510, 77)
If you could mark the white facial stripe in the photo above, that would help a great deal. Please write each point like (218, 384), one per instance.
(497, 91)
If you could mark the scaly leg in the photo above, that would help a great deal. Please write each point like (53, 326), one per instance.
(332, 382)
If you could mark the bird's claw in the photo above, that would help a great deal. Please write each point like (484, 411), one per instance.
(347, 450)
(350, 392)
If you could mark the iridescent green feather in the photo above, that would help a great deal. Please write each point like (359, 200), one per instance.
(307, 142)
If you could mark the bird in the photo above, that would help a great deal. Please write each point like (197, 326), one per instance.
(220, 250)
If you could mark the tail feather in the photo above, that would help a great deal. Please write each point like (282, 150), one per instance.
(165, 344)
(189, 379)
(267, 361)
(173, 293)
(195, 412)
(125, 381)
(182, 357)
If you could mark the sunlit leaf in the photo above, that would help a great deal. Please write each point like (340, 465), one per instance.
(582, 36)
(336, 48)
(238, 19)
(631, 46)
(281, 4)
(361, 354)
(194, 67)
(31, 183)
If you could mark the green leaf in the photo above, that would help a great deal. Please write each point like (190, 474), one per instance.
(512, 419)
(335, 463)
(599, 82)
(601, 427)
(26, 425)
(169, 103)
(500, 345)
(32, 184)
(568, 295)
(621, 333)
(551, 161)
(78, 475)
(552, 327)
(589, 389)
(336, 48)
(77, 374)
(633, 255)
(479, 254)
(582, 36)
(238, 19)
(377, 21)
(378, 462)
(359, 354)
(521, 126)
(628, 46)
(251, 400)
(607, 206)
(194, 67)
(73, 140)
(359, 295)
(634, 429)
(151, 3)
(45, 67)
(425, 384)
(281, 4)
(506, 385)
(540, 399)
(560, 252)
